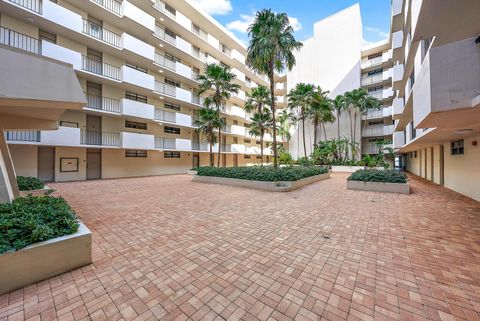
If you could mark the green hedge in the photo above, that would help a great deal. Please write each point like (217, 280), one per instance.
(262, 173)
(29, 183)
(381, 176)
(32, 219)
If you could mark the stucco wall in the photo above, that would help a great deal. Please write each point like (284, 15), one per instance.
(81, 154)
(24, 159)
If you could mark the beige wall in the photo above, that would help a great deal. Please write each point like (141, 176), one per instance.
(24, 159)
(81, 154)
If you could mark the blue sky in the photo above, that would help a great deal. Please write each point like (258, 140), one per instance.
(237, 14)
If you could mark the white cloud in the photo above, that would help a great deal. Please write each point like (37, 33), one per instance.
(214, 7)
(246, 20)
(377, 31)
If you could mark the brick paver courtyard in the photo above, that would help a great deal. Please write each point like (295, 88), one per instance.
(169, 249)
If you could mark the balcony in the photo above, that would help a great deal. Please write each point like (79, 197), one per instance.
(137, 109)
(237, 148)
(238, 130)
(378, 113)
(197, 146)
(165, 62)
(138, 46)
(160, 6)
(23, 136)
(373, 79)
(378, 94)
(32, 5)
(174, 118)
(101, 68)
(160, 33)
(368, 63)
(198, 100)
(98, 138)
(111, 5)
(226, 148)
(398, 107)
(19, 40)
(103, 103)
(137, 141)
(398, 139)
(165, 89)
(236, 111)
(137, 78)
(100, 33)
(398, 71)
(164, 143)
(377, 131)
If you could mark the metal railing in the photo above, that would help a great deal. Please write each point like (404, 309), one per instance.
(99, 32)
(164, 143)
(23, 135)
(372, 79)
(103, 103)
(372, 62)
(196, 99)
(111, 5)
(100, 68)
(99, 138)
(372, 131)
(199, 146)
(33, 5)
(164, 115)
(376, 94)
(160, 33)
(165, 62)
(199, 55)
(199, 32)
(166, 89)
(373, 113)
(19, 40)
(226, 148)
(369, 149)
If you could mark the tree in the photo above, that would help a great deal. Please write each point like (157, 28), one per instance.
(338, 105)
(257, 100)
(300, 99)
(208, 120)
(320, 112)
(261, 123)
(271, 50)
(284, 124)
(218, 80)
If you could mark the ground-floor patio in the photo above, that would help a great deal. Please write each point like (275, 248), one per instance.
(169, 249)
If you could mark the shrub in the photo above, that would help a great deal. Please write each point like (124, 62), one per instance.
(33, 219)
(285, 158)
(29, 183)
(304, 161)
(382, 176)
(262, 173)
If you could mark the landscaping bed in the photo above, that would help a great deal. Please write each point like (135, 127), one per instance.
(264, 178)
(374, 180)
(40, 236)
(31, 185)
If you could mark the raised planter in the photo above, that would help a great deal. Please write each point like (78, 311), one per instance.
(36, 192)
(192, 172)
(402, 188)
(265, 186)
(346, 169)
(45, 259)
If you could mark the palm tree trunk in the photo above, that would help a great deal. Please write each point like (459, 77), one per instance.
(211, 151)
(355, 130)
(219, 145)
(325, 131)
(272, 94)
(304, 140)
(315, 136)
(351, 129)
(261, 146)
(338, 124)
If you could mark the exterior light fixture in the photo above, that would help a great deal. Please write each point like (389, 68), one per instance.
(463, 131)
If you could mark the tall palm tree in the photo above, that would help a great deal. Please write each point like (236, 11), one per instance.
(260, 125)
(338, 105)
(320, 112)
(208, 120)
(271, 49)
(257, 100)
(217, 80)
(300, 99)
(284, 124)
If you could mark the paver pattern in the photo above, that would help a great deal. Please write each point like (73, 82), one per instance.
(169, 249)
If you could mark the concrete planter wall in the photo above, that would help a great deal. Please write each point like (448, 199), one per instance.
(36, 192)
(45, 259)
(379, 187)
(265, 186)
(351, 169)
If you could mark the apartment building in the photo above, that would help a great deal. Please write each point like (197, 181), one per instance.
(436, 78)
(336, 59)
(137, 63)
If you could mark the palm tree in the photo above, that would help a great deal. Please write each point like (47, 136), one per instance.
(257, 100)
(208, 120)
(284, 124)
(217, 80)
(338, 104)
(271, 49)
(261, 123)
(300, 99)
(320, 112)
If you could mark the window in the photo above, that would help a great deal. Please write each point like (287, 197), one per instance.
(376, 71)
(135, 125)
(377, 55)
(413, 131)
(172, 106)
(136, 67)
(247, 140)
(172, 82)
(135, 153)
(171, 130)
(172, 58)
(257, 142)
(136, 97)
(457, 147)
(170, 33)
(375, 89)
(171, 154)
(170, 9)
(65, 123)
(247, 156)
(235, 122)
(47, 36)
(375, 122)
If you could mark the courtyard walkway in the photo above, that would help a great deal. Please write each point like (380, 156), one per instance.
(169, 249)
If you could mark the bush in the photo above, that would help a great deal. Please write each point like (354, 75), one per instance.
(304, 161)
(285, 158)
(262, 173)
(382, 176)
(29, 183)
(32, 219)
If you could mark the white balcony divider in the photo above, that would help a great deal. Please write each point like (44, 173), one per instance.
(99, 138)
(19, 40)
(103, 103)
(63, 136)
(183, 144)
(33, 5)
(100, 68)
(164, 143)
(137, 78)
(23, 135)
(137, 141)
(99, 32)
(137, 109)
(111, 5)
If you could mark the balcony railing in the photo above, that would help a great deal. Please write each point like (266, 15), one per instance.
(23, 135)
(99, 138)
(376, 94)
(165, 62)
(227, 129)
(164, 115)
(369, 149)
(372, 62)
(373, 113)
(200, 146)
(98, 32)
(199, 55)
(373, 131)
(111, 5)
(33, 5)
(164, 143)
(160, 33)
(103, 103)
(166, 89)
(372, 79)
(226, 148)
(100, 68)
(19, 40)
(196, 99)
(160, 6)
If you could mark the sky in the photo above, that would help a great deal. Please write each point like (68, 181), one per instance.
(237, 15)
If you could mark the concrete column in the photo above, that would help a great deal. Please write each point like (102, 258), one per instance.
(8, 180)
